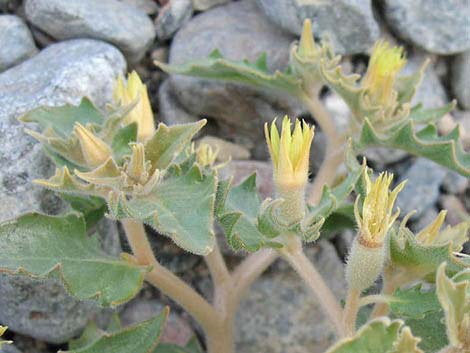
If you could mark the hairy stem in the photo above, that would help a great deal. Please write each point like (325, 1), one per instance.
(166, 281)
(350, 311)
(334, 155)
(388, 287)
(450, 349)
(295, 256)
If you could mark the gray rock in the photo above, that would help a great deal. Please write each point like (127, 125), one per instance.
(349, 24)
(430, 92)
(9, 348)
(16, 41)
(150, 7)
(239, 31)
(455, 183)
(177, 330)
(203, 5)
(61, 73)
(279, 314)
(170, 109)
(421, 191)
(171, 17)
(460, 79)
(119, 23)
(437, 26)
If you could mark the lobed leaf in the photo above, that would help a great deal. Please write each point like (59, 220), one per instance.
(444, 150)
(425, 116)
(422, 261)
(180, 207)
(252, 73)
(141, 338)
(379, 336)
(43, 246)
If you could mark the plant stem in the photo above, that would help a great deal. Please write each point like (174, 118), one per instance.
(450, 349)
(295, 256)
(166, 281)
(334, 155)
(350, 311)
(388, 287)
(217, 267)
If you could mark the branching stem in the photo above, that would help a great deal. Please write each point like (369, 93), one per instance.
(295, 256)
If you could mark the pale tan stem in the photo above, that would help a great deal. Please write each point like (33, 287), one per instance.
(450, 349)
(350, 311)
(321, 116)
(294, 255)
(334, 157)
(217, 267)
(388, 287)
(248, 271)
(166, 281)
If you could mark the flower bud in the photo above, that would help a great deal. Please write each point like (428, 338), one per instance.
(290, 157)
(95, 151)
(142, 112)
(384, 65)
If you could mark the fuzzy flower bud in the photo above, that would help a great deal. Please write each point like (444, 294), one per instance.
(376, 216)
(367, 254)
(290, 157)
(290, 152)
(94, 150)
(384, 65)
(142, 112)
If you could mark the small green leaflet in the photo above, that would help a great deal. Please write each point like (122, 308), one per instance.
(43, 246)
(425, 116)
(62, 119)
(141, 338)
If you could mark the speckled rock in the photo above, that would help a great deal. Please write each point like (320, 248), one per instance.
(460, 79)
(349, 24)
(177, 330)
(119, 23)
(280, 315)
(421, 191)
(203, 5)
(438, 26)
(239, 31)
(61, 73)
(150, 7)
(171, 17)
(8, 348)
(16, 41)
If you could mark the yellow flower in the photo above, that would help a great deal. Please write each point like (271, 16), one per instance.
(205, 155)
(95, 151)
(384, 65)
(125, 94)
(290, 152)
(377, 217)
(429, 234)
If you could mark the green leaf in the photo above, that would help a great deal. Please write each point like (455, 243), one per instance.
(193, 346)
(379, 336)
(237, 211)
(92, 208)
(340, 219)
(414, 302)
(421, 261)
(180, 207)
(169, 141)
(426, 116)
(41, 246)
(120, 143)
(444, 150)
(63, 118)
(141, 338)
(252, 73)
